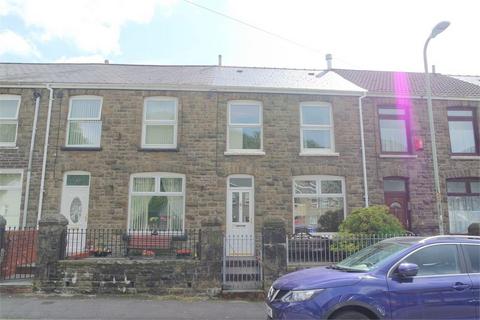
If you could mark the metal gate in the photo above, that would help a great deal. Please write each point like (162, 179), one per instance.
(18, 253)
(242, 264)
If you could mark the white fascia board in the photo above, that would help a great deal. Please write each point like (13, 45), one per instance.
(183, 88)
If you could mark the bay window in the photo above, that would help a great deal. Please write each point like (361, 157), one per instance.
(316, 128)
(244, 126)
(159, 128)
(394, 130)
(463, 131)
(10, 196)
(463, 195)
(157, 202)
(318, 203)
(9, 107)
(84, 128)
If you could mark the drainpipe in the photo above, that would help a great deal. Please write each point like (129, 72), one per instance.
(362, 138)
(30, 157)
(45, 150)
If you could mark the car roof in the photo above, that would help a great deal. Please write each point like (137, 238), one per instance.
(436, 239)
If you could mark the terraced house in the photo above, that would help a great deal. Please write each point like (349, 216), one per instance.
(174, 147)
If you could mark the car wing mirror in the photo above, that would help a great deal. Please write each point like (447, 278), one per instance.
(407, 269)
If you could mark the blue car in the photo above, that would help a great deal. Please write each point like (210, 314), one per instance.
(399, 278)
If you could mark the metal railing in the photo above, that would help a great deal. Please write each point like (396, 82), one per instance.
(85, 243)
(329, 248)
(18, 253)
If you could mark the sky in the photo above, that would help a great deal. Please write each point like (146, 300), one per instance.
(360, 34)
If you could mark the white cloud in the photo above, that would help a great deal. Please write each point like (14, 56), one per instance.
(15, 44)
(94, 58)
(91, 25)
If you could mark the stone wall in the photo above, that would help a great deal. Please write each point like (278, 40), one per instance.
(202, 125)
(163, 277)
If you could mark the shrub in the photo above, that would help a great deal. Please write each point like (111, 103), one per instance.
(372, 220)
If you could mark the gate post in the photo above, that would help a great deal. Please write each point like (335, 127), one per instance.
(52, 233)
(211, 256)
(3, 223)
(274, 251)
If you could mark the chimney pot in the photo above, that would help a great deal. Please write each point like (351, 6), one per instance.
(328, 57)
(220, 60)
(106, 61)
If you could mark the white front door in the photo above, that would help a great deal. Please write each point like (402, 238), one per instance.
(240, 239)
(75, 194)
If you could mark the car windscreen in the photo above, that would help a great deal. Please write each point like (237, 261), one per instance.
(366, 259)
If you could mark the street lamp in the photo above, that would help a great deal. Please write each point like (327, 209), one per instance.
(439, 28)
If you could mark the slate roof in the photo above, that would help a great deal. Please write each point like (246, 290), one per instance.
(409, 83)
(187, 76)
(235, 78)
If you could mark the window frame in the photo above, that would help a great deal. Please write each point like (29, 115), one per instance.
(318, 179)
(13, 120)
(157, 192)
(16, 188)
(99, 119)
(317, 127)
(250, 189)
(471, 119)
(468, 189)
(405, 118)
(146, 122)
(244, 125)
(77, 173)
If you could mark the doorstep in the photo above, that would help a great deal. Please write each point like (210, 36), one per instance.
(17, 286)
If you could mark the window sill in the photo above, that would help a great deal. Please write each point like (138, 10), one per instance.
(472, 157)
(157, 149)
(244, 153)
(399, 156)
(319, 154)
(9, 147)
(64, 148)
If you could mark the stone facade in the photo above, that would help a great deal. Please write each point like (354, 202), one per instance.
(202, 126)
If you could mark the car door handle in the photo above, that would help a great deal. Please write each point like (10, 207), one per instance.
(460, 286)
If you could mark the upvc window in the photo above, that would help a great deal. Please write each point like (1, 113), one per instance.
(463, 195)
(9, 106)
(394, 130)
(463, 131)
(160, 123)
(318, 203)
(11, 195)
(244, 126)
(157, 202)
(316, 127)
(84, 128)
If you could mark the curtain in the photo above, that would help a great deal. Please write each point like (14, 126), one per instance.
(462, 212)
(139, 212)
(85, 132)
(394, 135)
(85, 109)
(8, 131)
(159, 134)
(462, 136)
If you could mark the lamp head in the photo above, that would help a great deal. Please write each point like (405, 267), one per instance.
(439, 28)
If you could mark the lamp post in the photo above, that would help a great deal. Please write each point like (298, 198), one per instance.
(439, 28)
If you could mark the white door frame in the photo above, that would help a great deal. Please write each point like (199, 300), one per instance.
(240, 236)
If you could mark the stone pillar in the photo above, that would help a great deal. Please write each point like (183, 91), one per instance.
(3, 223)
(274, 251)
(52, 232)
(211, 256)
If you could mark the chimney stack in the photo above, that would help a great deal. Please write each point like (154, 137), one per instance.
(328, 57)
(433, 69)
(106, 61)
(219, 60)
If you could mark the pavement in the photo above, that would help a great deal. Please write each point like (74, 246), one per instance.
(131, 307)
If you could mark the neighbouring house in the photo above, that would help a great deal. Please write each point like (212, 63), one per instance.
(173, 147)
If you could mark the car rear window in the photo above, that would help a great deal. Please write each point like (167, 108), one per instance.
(473, 254)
